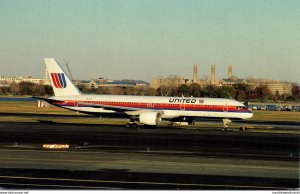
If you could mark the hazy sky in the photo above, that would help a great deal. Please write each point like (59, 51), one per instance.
(148, 38)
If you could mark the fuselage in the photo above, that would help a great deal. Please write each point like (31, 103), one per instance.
(148, 110)
(168, 107)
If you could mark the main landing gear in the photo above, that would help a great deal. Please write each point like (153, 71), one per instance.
(131, 124)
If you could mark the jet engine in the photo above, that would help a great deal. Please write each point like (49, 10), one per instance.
(150, 118)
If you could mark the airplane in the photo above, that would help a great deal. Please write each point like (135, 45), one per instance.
(148, 110)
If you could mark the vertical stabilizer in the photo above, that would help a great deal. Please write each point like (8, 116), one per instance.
(60, 82)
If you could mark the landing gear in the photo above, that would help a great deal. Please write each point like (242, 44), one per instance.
(131, 124)
(243, 128)
(183, 121)
(226, 123)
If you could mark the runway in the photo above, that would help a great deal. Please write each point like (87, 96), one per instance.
(115, 157)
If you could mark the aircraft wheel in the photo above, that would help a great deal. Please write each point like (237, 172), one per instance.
(224, 129)
(243, 128)
(131, 125)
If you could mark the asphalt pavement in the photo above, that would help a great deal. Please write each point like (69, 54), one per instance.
(115, 157)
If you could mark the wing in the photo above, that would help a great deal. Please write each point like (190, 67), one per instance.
(127, 110)
(109, 107)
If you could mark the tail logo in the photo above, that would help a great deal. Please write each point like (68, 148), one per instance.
(59, 80)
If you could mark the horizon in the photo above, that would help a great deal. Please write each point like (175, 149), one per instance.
(147, 39)
(159, 76)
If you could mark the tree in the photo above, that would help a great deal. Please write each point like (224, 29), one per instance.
(242, 91)
(291, 98)
(183, 90)
(277, 96)
(26, 88)
(242, 96)
(48, 90)
(263, 93)
(4, 90)
(227, 92)
(168, 85)
(14, 88)
(38, 90)
(195, 90)
(150, 91)
(295, 91)
(117, 90)
(212, 91)
(164, 91)
(82, 88)
(102, 90)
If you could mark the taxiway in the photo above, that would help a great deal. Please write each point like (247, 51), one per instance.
(115, 157)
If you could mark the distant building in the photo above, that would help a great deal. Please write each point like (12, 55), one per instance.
(231, 81)
(178, 80)
(170, 81)
(113, 83)
(7, 81)
(273, 85)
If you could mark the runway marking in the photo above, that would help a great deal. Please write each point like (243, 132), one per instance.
(64, 186)
(141, 182)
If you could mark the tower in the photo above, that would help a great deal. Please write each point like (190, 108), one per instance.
(195, 72)
(213, 72)
(229, 71)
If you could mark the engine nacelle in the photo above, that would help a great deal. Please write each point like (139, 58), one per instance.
(150, 118)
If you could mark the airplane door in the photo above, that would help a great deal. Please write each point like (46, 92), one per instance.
(225, 108)
(75, 102)
(182, 107)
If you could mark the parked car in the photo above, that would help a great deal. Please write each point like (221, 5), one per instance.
(254, 107)
(263, 107)
(288, 108)
(278, 108)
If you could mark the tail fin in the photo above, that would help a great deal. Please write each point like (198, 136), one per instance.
(60, 82)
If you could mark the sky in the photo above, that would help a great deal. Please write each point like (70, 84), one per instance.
(142, 39)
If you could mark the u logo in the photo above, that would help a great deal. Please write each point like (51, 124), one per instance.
(59, 80)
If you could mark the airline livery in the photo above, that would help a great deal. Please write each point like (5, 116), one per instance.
(148, 110)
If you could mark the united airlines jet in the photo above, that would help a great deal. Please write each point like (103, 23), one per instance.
(148, 110)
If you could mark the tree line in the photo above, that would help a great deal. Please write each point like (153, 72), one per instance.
(26, 89)
(240, 92)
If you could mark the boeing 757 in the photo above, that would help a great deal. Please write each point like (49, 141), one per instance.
(148, 110)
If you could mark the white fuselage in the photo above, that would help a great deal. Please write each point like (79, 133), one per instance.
(168, 107)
